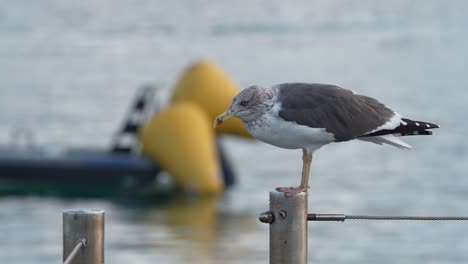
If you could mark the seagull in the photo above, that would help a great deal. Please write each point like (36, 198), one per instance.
(309, 116)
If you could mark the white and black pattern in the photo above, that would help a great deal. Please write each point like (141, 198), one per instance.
(125, 140)
(406, 127)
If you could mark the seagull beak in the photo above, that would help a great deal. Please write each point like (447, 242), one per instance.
(223, 117)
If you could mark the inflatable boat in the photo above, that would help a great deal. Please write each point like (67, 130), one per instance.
(120, 170)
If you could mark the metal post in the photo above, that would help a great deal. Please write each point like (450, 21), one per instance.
(288, 228)
(88, 226)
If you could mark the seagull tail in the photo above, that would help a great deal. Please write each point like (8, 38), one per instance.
(387, 139)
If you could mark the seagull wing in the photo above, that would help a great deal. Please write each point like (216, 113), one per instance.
(339, 111)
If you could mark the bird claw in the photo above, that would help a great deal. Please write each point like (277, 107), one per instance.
(291, 191)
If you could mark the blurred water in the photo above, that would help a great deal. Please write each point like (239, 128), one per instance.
(69, 69)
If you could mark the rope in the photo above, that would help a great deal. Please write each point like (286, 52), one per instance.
(79, 244)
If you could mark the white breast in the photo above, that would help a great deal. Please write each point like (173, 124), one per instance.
(278, 132)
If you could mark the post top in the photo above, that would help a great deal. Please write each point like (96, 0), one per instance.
(279, 194)
(80, 211)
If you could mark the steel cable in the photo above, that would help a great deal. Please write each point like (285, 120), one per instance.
(343, 217)
(414, 218)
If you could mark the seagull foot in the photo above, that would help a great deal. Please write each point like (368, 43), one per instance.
(291, 191)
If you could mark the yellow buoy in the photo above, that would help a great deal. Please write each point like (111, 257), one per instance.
(209, 87)
(181, 139)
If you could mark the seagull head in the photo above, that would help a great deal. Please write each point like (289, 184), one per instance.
(248, 105)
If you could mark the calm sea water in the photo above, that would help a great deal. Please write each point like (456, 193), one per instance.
(68, 70)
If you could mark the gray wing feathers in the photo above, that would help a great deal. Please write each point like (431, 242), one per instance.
(339, 111)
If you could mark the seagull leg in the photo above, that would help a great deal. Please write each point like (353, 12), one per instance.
(306, 161)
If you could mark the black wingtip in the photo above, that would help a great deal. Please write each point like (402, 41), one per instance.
(407, 127)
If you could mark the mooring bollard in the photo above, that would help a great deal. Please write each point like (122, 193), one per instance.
(288, 228)
(85, 227)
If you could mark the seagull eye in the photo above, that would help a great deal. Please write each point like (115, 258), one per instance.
(244, 103)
